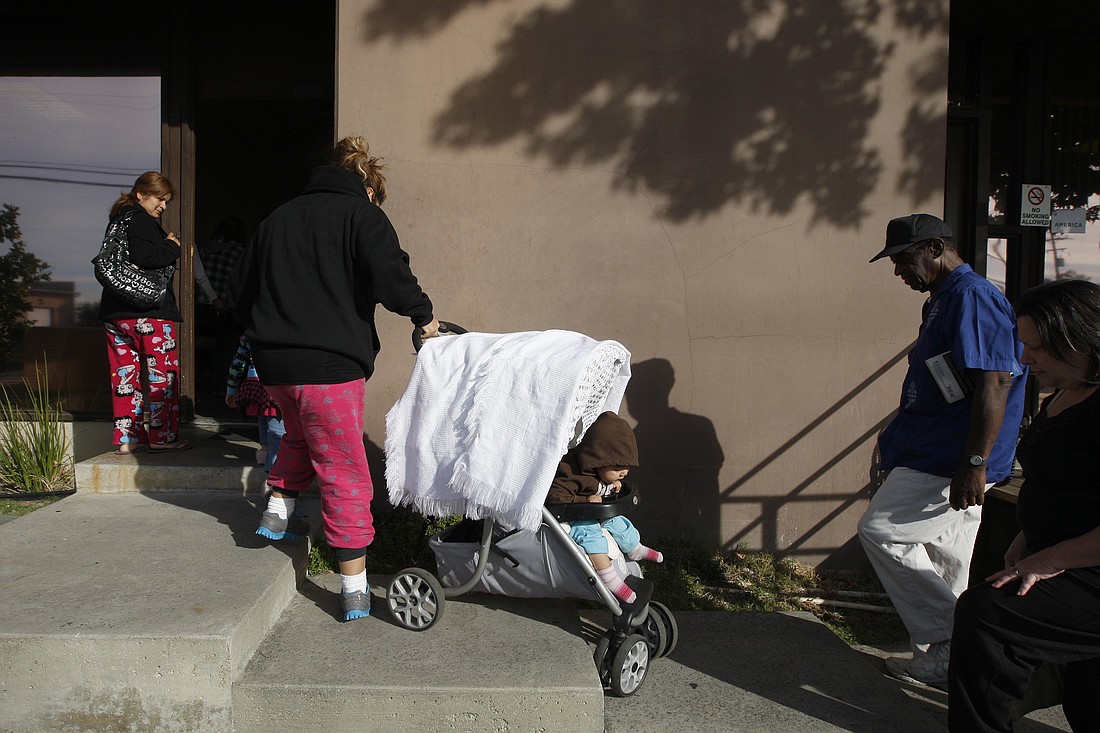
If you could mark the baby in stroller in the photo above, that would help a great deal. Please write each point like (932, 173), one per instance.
(590, 473)
(466, 438)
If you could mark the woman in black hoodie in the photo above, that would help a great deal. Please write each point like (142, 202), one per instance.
(137, 337)
(306, 290)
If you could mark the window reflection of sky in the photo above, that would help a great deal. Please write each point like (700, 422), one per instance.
(68, 147)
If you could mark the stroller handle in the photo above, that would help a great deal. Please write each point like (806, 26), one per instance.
(624, 503)
(445, 327)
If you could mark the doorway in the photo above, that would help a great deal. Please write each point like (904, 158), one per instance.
(246, 107)
(1024, 118)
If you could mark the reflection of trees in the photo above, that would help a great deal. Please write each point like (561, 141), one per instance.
(703, 103)
(19, 270)
(1071, 149)
(87, 314)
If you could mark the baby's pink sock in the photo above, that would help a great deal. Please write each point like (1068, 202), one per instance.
(641, 552)
(616, 585)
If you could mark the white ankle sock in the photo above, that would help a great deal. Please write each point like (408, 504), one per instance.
(615, 584)
(641, 552)
(354, 583)
(280, 506)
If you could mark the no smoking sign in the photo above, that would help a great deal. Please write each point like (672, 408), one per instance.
(1035, 206)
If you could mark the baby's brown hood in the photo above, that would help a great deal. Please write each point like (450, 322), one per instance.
(609, 442)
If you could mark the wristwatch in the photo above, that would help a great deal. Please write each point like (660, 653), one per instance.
(975, 461)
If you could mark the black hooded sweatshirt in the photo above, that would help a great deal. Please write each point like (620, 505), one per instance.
(307, 284)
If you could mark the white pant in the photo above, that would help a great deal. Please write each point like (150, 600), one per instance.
(920, 548)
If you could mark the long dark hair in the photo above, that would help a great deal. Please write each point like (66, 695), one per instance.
(150, 183)
(1066, 314)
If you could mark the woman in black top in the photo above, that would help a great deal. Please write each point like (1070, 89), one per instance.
(1044, 606)
(143, 341)
(306, 288)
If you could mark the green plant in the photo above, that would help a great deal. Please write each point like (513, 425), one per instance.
(401, 541)
(34, 447)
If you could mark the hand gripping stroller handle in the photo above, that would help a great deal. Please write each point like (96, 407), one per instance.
(445, 327)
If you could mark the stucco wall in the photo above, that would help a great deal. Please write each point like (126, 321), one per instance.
(702, 185)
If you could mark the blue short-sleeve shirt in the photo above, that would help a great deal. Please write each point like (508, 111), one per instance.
(968, 317)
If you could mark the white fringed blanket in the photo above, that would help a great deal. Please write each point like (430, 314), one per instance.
(486, 418)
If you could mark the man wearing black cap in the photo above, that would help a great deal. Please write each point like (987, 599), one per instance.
(954, 436)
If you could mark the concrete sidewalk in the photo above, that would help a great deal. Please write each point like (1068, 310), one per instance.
(162, 612)
(742, 672)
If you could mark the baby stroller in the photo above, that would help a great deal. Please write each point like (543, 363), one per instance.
(487, 553)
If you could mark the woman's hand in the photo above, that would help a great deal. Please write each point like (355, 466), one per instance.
(1028, 570)
(231, 400)
(430, 331)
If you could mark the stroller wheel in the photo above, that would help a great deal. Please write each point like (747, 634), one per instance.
(655, 634)
(660, 630)
(415, 599)
(601, 656)
(629, 665)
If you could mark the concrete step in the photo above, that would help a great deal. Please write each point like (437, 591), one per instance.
(136, 611)
(489, 664)
(218, 461)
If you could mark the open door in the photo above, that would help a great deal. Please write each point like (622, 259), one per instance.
(234, 106)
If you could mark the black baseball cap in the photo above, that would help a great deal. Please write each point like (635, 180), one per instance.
(905, 231)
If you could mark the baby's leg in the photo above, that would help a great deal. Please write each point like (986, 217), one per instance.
(588, 534)
(611, 578)
(600, 561)
(629, 541)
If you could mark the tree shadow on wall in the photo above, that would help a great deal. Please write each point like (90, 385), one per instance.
(697, 104)
(680, 458)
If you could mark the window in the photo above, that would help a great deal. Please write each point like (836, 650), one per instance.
(68, 147)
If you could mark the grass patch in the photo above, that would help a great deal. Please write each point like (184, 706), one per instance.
(14, 508)
(696, 579)
(691, 578)
(856, 626)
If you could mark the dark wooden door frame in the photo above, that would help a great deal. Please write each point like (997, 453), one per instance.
(178, 163)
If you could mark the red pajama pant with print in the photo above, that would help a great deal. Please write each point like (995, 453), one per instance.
(324, 438)
(134, 343)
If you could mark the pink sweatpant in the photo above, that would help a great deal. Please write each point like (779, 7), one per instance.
(132, 343)
(324, 438)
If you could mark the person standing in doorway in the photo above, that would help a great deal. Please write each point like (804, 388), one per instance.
(218, 259)
(141, 342)
(306, 288)
(954, 436)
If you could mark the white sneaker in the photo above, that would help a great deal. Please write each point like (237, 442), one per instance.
(928, 668)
